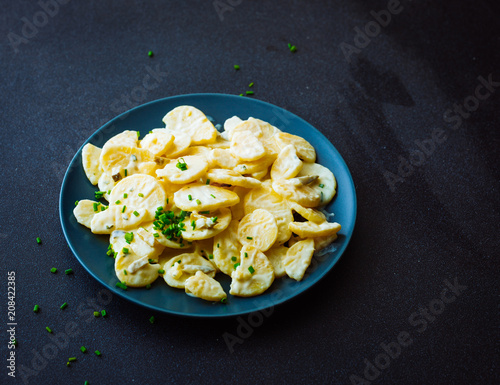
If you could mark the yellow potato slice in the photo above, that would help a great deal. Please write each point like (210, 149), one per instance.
(222, 158)
(135, 271)
(226, 249)
(84, 211)
(263, 131)
(287, 165)
(142, 192)
(246, 146)
(311, 229)
(179, 268)
(105, 222)
(238, 210)
(305, 150)
(204, 197)
(205, 248)
(260, 175)
(158, 143)
(276, 254)
(325, 179)
(202, 286)
(309, 214)
(298, 258)
(322, 242)
(254, 275)
(91, 164)
(256, 166)
(265, 198)
(193, 122)
(200, 226)
(126, 138)
(294, 190)
(229, 126)
(148, 168)
(221, 142)
(223, 176)
(258, 229)
(169, 253)
(115, 159)
(106, 183)
(181, 142)
(196, 168)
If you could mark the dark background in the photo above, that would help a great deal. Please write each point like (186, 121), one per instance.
(438, 222)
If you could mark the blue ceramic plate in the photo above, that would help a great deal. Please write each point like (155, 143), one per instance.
(90, 249)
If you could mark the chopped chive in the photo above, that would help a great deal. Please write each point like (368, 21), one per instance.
(48, 329)
(292, 48)
(97, 314)
(156, 235)
(151, 54)
(129, 237)
(136, 213)
(64, 306)
(86, 383)
(141, 195)
(190, 197)
(151, 260)
(193, 224)
(68, 363)
(118, 202)
(125, 272)
(36, 308)
(218, 245)
(83, 349)
(181, 165)
(121, 285)
(198, 202)
(250, 238)
(96, 205)
(321, 196)
(167, 201)
(152, 319)
(246, 255)
(97, 353)
(71, 359)
(241, 94)
(161, 271)
(124, 208)
(249, 92)
(213, 196)
(233, 259)
(148, 286)
(125, 195)
(251, 269)
(208, 181)
(68, 271)
(236, 67)
(251, 84)
(53, 270)
(214, 219)
(321, 185)
(103, 313)
(210, 256)
(14, 342)
(76, 203)
(99, 194)
(204, 212)
(125, 250)
(223, 300)
(236, 266)
(125, 172)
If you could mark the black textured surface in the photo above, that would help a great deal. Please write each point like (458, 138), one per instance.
(440, 223)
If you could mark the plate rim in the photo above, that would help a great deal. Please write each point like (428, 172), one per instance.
(267, 305)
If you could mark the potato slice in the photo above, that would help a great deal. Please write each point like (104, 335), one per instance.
(115, 218)
(255, 166)
(227, 247)
(265, 198)
(142, 192)
(84, 211)
(115, 159)
(200, 226)
(126, 138)
(294, 190)
(221, 142)
(254, 275)
(202, 197)
(311, 229)
(222, 158)
(158, 143)
(91, 164)
(305, 150)
(179, 268)
(258, 229)
(263, 131)
(259, 175)
(309, 214)
(238, 210)
(181, 142)
(298, 258)
(287, 165)
(135, 271)
(205, 248)
(193, 122)
(322, 242)
(325, 179)
(246, 146)
(106, 183)
(223, 176)
(229, 126)
(276, 254)
(202, 286)
(195, 167)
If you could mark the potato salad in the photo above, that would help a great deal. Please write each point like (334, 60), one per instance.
(187, 202)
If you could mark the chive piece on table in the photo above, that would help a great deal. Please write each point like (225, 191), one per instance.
(68, 271)
(48, 329)
(38, 240)
(36, 308)
(64, 306)
(83, 349)
(53, 270)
